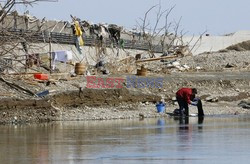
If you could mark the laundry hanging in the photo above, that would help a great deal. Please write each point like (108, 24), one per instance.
(78, 33)
(61, 56)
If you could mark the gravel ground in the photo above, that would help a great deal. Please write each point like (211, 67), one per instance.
(218, 61)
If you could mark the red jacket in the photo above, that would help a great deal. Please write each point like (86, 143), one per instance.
(186, 94)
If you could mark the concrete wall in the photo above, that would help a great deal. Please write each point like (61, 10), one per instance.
(215, 43)
(63, 27)
(89, 54)
(18, 22)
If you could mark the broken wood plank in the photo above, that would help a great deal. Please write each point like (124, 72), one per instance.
(154, 59)
(31, 82)
(6, 94)
(17, 87)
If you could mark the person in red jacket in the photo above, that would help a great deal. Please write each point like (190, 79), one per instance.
(186, 96)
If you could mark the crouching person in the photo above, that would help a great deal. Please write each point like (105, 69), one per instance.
(186, 96)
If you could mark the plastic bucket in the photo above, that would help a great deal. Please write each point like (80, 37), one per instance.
(160, 108)
(80, 68)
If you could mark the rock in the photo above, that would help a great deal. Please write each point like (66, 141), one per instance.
(14, 121)
(173, 99)
(229, 65)
(169, 65)
(186, 66)
(176, 63)
(73, 75)
(236, 113)
(237, 90)
(53, 113)
(198, 68)
(212, 99)
(244, 104)
(138, 56)
(141, 115)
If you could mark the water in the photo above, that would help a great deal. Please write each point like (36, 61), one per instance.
(164, 140)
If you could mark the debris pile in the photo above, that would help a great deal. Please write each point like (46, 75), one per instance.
(218, 61)
(126, 65)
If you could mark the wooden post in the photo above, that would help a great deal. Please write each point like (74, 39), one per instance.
(50, 54)
(26, 63)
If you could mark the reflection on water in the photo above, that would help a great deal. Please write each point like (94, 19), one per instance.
(163, 140)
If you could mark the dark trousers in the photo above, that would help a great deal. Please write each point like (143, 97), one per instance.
(200, 109)
(183, 106)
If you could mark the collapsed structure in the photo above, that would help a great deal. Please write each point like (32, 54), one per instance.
(27, 41)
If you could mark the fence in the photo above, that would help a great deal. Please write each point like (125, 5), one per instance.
(61, 38)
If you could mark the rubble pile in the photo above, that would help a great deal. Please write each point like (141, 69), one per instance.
(218, 61)
(126, 65)
(243, 46)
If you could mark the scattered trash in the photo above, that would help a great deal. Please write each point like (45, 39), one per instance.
(212, 99)
(41, 76)
(42, 94)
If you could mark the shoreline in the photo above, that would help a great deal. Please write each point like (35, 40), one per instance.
(131, 111)
(219, 97)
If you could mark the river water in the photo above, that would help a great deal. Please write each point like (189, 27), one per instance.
(220, 139)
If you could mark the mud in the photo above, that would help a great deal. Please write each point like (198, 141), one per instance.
(102, 97)
(60, 106)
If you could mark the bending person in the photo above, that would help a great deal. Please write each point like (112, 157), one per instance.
(186, 96)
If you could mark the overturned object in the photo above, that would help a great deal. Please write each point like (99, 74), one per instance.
(42, 94)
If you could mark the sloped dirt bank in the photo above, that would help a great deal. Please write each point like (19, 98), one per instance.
(60, 106)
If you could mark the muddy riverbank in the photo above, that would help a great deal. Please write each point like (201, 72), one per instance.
(220, 92)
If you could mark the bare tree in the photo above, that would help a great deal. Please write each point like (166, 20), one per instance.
(8, 6)
(14, 40)
(161, 32)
